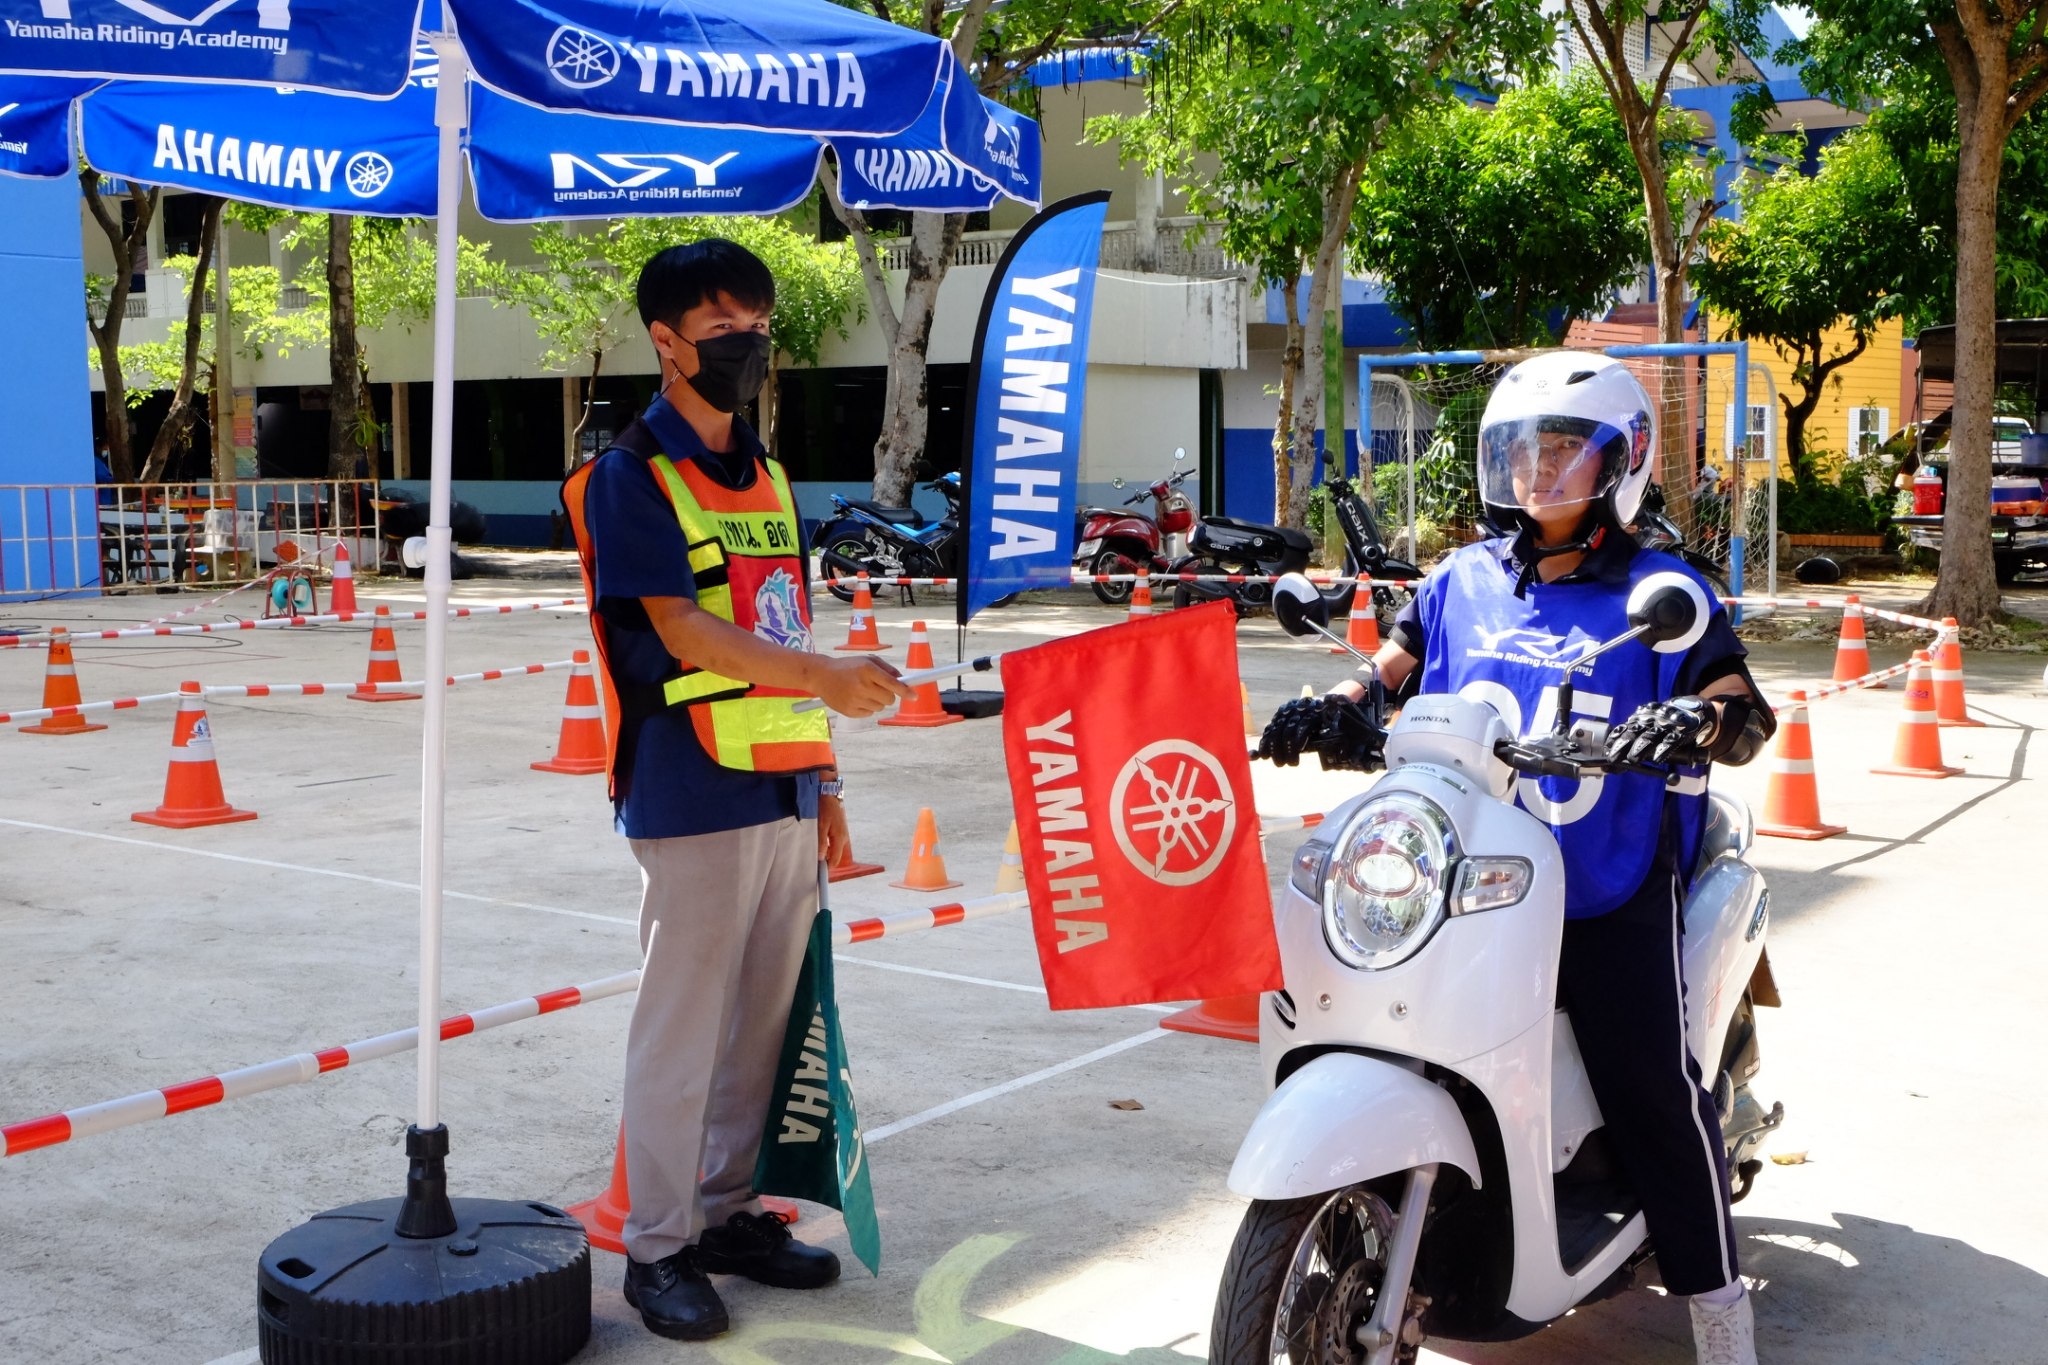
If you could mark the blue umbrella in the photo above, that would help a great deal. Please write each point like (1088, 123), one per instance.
(35, 126)
(317, 152)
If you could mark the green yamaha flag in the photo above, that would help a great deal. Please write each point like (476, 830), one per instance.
(811, 1147)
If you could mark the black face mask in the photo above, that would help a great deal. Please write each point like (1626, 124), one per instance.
(731, 369)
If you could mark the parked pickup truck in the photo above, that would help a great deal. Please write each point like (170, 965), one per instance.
(2019, 521)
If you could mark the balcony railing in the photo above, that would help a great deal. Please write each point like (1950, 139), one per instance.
(1181, 249)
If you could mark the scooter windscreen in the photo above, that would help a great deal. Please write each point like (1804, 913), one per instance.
(1543, 463)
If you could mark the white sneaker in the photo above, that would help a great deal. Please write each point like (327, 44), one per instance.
(1724, 1334)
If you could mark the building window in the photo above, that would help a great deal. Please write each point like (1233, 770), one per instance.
(1761, 446)
(1867, 428)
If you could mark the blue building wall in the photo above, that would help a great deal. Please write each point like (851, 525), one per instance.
(45, 399)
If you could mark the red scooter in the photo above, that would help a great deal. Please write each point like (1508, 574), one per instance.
(1110, 541)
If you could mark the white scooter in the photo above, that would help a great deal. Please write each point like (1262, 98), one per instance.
(1432, 1161)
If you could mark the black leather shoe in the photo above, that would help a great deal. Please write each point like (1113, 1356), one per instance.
(760, 1247)
(674, 1298)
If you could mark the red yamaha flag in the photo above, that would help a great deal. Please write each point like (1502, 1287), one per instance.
(1134, 813)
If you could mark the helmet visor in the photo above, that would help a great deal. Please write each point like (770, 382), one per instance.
(1545, 464)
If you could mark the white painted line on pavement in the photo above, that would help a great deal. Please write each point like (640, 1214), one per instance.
(314, 871)
(248, 1357)
(1007, 1087)
(978, 980)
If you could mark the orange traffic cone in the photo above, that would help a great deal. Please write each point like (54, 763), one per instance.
(1010, 872)
(383, 664)
(341, 592)
(860, 628)
(1917, 750)
(1852, 651)
(1141, 596)
(924, 708)
(927, 870)
(192, 794)
(1362, 631)
(604, 1218)
(581, 747)
(1251, 722)
(1232, 1016)
(60, 688)
(1792, 799)
(1951, 707)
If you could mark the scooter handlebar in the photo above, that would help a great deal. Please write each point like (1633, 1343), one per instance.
(1552, 757)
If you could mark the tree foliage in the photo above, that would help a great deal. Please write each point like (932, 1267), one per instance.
(582, 299)
(1499, 228)
(1288, 101)
(1808, 252)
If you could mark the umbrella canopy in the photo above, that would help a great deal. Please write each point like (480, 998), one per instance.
(317, 152)
(35, 125)
(355, 47)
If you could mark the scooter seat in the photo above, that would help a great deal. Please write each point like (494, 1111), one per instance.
(900, 516)
(1288, 536)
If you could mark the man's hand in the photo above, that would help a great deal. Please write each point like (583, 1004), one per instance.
(1349, 738)
(1293, 728)
(1661, 730)
(858, 687)
(835, 846)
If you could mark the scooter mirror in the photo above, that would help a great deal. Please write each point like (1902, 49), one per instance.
(1298, 606)
(1179, 453)
(1116, 483)
(1670, 611)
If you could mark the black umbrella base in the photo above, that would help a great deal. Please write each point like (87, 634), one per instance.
(497, 1282)
(958, 701)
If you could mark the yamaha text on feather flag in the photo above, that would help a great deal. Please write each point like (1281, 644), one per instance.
(1029, 390)
(356, 47)
(1136, 822)
(811, 1146)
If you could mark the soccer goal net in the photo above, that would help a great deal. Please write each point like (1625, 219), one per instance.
(1714, 482)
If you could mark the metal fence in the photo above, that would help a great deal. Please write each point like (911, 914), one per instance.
(59, 538)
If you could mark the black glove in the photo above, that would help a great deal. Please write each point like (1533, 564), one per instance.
(1661, 730)
(1349, 738)
(1293, 728)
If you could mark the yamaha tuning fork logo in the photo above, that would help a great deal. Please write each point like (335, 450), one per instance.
(581, 59)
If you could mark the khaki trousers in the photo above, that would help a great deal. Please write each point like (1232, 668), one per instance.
(723, 923)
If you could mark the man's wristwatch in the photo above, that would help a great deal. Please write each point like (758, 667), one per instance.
(832, 787)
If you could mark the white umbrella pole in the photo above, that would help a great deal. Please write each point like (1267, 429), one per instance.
(450, 113)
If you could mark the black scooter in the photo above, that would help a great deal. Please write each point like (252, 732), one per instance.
(1226, 545)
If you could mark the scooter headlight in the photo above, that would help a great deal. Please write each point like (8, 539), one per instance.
(1383, 887)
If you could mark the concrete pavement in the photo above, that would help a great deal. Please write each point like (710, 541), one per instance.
(1034, 1224)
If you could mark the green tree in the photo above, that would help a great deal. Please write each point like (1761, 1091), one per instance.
(1995, 59)
(1485, 225)
(582, 301)
(1808, 252)
(1289, 102)
(993, 42)
(1638, 47)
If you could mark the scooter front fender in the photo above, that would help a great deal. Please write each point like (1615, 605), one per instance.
(1344, 1118)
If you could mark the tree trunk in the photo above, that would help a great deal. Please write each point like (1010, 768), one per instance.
(770, 410)
(128, 249)
(1326, 290)
(1675, 460)
(344, 350)
(177, 426)
(1291, 357)
(906, 410)
(1968, 588)
(589, 405)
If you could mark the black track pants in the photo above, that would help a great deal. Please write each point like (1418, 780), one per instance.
(1621, 982)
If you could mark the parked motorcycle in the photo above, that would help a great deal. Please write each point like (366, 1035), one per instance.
(1109, 541)
(890, 542)
(1432, 1161)
(1225, 545)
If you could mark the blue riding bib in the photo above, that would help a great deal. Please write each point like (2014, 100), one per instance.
(1486, 644)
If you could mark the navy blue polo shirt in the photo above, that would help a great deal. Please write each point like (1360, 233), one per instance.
(672, 786)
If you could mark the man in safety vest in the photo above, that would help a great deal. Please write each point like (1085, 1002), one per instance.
(699, 589)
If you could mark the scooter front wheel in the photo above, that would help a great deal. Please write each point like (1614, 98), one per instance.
(1303, 1277)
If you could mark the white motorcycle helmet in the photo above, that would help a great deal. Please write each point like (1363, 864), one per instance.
(1566, 429)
